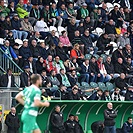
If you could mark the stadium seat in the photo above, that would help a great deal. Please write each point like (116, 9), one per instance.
(52, 28)
(96, 55)
(1, 41)
(19, 41)
(101, 85)
(99, 31)
(104, 57)
(116, 4)
(85, 85)
(60, 29)
(88, 56)
(93, 84)
(109, 6)
(110, 86)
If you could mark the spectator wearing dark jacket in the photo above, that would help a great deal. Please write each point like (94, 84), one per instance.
(129, 94)
(103, 43)
(25, 77)
(109, 115)
(97, 127)
(128, 126)
(127, 51)
(57, 121)
(7, 80)
(12, 121)
(10, 38)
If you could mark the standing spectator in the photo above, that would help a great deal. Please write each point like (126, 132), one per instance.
(57, 121)
(12, 121)
(25, 77)
(70, 124)
(129, 94)
(109, 115)
(128, 126)
(8, 80)
(97, 127)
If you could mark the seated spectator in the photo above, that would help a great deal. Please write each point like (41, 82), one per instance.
(48, 63)
(25, 77)
(28, 6)
(3, 30)
(120, 67)
(35, 12)
(63, 14)
(17, 26)
(127, 51)
(116, 96)
(9, 52)
(71, 28)
(11, 7)
(104, 76)
(62, 77)
(97, 95)
(74, 95)
(52, 39)
(103, 44)
(120, 82)
(81, 27)
(10, 38)
(30, 62)
(82, 12)
(61, 52)
(106, 96)
(40, 65)
(46, 15)
(4, 10)
(85, 71)
(58, 64)
(62, 92)
(110, 30)
(42, 50)
(34, 49)
(129, 94)
(87, 41)
(73, 79)
(52, 50)
(26, 25)
(110, 68)
(8, 79)
(128, 125)
(44, 78)
(129, 66)
(55, 15)
(127, 14)
(42, 27)
(95, 72)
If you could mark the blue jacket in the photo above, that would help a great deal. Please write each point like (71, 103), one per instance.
(83, 69)
(25, 52)
(16, 24)
(93, 96)
(92, 4)
(12, 54)
(60, 11)
(127, 127)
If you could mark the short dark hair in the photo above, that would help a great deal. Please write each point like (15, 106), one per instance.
(9, 69)
(34, 78)
(129, 118)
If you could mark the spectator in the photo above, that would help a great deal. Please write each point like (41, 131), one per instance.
(128, 126)
(129, 66)
(52, 50)
(97, 127)
(74, 95)
(120, 82)
(28, 6)
(11, 7)
(12, 121)
(25, 77)
(10, 38)
(87, 41)
(44, 78)
(55, 15)
(103, 43)
(40, 65)
(62, 92)
(73, 79)
(127, 53)
(62, 77)
(56, 120)
(129, 94)
(116, 96)
(97, 95)
(70, 11)
(70, 124)
(17, 26)
(78, 127)
(104, 76)
(8, 79)
(109, 115)
(106, 96)
(4, 10)
(81, 27)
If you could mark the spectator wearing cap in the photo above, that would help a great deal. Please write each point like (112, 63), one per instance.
(55, 15)
(17, 26)
(82, 12)
(103, 43)
(25, 77)
(4, 10)
(26, 25)
(129, 94)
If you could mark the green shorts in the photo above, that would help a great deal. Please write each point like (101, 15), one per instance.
(29, 122)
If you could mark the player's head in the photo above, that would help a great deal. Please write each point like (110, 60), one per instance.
(36, 79)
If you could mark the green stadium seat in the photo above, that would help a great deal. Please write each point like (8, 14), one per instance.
(101, 85)
(110, 86)
(93, 84)
(88, 56)
(104, 57)
(78, 84)
(85, 85)
(96, 55)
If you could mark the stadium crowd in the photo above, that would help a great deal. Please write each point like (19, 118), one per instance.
(80, 48)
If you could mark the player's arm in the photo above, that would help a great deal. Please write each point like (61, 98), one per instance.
(38, 103)
(19, 98)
